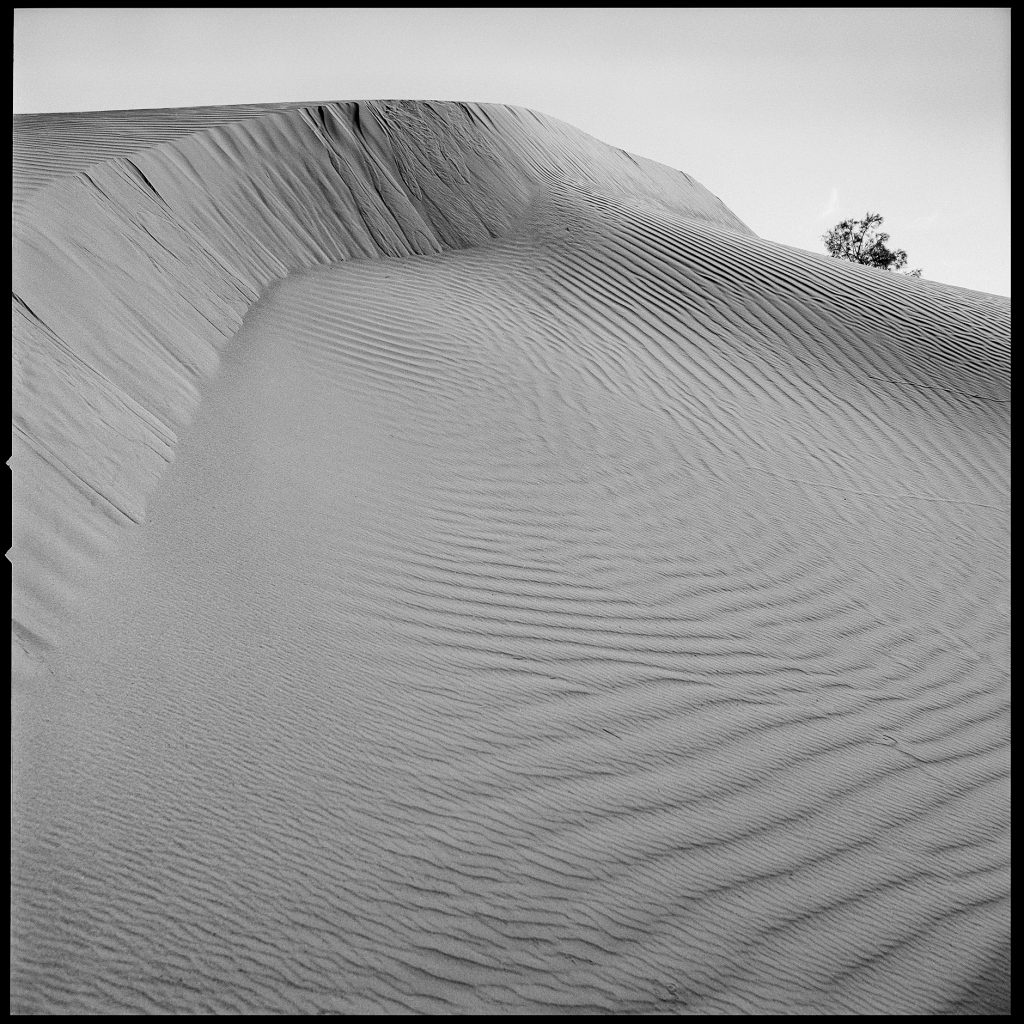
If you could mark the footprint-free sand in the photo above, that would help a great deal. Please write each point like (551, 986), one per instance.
(460, 567)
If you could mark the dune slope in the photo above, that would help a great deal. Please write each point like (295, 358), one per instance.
(460, 567)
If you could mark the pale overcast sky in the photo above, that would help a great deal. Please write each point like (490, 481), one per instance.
(796, 118)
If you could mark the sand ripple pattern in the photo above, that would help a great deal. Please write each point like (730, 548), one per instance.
(131, 273)
(611, 616)
(50, 146)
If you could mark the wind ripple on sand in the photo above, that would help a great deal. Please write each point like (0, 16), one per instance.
(130, 274)
(611, 616)
(47, 147)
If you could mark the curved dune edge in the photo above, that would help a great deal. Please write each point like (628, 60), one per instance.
(131, 275)
(52, 146)
(595, 606)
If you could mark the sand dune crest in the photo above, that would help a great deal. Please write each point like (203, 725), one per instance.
(459, 567)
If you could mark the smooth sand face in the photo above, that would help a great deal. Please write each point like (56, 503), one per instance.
(610, 616)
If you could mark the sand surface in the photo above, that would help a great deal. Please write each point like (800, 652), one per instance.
(459, 567)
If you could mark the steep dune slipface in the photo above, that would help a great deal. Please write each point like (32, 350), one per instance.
(560, 598)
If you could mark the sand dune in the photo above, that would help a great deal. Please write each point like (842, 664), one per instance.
(460, 567)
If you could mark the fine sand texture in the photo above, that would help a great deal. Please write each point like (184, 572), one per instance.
(459, 567)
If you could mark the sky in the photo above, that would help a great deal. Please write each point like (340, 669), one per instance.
(795, 118)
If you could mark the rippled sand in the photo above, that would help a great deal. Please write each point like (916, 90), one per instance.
(459, 567)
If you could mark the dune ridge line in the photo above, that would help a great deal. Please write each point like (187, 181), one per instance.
(460, 567)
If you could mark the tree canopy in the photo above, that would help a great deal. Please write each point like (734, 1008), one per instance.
(860, 241)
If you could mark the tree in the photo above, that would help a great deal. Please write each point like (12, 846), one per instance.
(860, 241)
